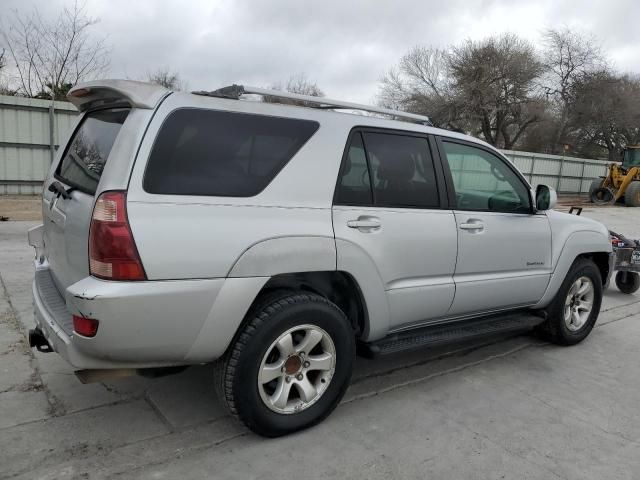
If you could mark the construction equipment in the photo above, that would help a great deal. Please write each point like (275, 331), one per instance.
(622, 181)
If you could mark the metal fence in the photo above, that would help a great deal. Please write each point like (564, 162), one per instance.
(31, 130)
(565, 174)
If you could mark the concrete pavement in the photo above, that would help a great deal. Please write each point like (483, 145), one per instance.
(509, 408)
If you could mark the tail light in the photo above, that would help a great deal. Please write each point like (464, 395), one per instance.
(112, 251)
(87, 327)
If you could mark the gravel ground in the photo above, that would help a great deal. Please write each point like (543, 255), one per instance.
(21, 207)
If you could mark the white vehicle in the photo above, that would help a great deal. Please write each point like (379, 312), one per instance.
(182, 229)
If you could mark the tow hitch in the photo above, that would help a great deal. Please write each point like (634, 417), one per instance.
(38, 340)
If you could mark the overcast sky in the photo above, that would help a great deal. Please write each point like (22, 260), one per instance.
(346, 46)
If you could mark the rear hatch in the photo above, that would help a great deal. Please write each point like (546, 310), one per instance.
(70, 192)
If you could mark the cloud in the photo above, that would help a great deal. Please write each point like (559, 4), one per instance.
(346, 46)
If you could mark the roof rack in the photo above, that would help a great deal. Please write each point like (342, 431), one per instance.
(236, 91)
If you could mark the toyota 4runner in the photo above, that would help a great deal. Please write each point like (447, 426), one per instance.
(275, 240)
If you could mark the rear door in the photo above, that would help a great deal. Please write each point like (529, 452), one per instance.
(67, 220)
(390, 205)
(504, 248)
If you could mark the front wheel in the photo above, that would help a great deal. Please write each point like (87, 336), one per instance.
(628, 282)
(632, 195)
(596, 183)
(290, 365)
(575, 308)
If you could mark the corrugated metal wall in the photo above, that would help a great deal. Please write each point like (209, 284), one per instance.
(565, 174)
(27, 139)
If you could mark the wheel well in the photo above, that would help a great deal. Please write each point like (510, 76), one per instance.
(601, 259)
(338, 287)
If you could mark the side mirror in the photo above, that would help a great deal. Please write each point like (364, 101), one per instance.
(546, 198)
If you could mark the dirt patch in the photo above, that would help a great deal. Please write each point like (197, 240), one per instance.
(20, 207)
(568, 200)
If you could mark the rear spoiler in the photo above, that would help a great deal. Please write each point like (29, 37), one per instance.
(100, 93)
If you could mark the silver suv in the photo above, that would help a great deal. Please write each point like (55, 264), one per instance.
(276, 239)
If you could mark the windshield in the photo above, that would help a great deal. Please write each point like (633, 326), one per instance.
(631, 157)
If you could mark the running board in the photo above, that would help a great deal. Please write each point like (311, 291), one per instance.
(442, 334)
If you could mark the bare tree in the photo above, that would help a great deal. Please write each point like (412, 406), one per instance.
(569, 57)
(485, 88)
(606, 112)
(299, 84)
(166, 78)
(420, 83)
(50, 56)
(5, 88)
(494, 85)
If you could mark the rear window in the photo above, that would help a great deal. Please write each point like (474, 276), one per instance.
(207, 152)
(87, 153)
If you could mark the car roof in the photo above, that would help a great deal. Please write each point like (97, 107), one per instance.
(147, 95)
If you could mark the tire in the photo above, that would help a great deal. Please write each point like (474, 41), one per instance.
(602, 196)
(628, 282)
(291, 318)
(632, 195)
(564, 331)
(595, 184)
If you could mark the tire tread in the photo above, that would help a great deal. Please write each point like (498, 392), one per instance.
(260, 313)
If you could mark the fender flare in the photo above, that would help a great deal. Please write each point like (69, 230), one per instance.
(576, 244)
(293, 254)
(289, 254)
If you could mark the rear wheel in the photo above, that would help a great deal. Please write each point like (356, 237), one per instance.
(290, 365)
(628, 282)
(632, 194)
(575, 308)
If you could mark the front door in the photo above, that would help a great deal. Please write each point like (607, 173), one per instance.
(387, 211)
(504, 248)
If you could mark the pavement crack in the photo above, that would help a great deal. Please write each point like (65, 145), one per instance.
(460, 352)
(510, 452)
(159, 413)
(442, 373)
(610, 309)
(178, 454)
(603, 324)
(56, 407)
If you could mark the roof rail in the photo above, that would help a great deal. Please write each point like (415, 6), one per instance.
(236, 91)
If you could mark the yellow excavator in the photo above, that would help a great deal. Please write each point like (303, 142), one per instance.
(622, 181)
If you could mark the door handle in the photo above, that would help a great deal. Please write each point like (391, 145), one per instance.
(365, 223)
(471, 225)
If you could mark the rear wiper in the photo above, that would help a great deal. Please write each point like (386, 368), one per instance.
(59, 188)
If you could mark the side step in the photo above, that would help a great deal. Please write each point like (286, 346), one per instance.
(459, 331)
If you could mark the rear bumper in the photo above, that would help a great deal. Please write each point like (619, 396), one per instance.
(142, 324)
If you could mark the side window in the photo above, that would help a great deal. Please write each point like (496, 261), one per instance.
(483, 181)
(354, 185)
(402, 171)
(217, 153)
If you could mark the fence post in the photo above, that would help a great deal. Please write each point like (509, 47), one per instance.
(52, 140)
(560, 174)
(584, 163)
(533, 165)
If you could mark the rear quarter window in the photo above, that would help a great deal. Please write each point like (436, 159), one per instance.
(216, 153)
(87, 152)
